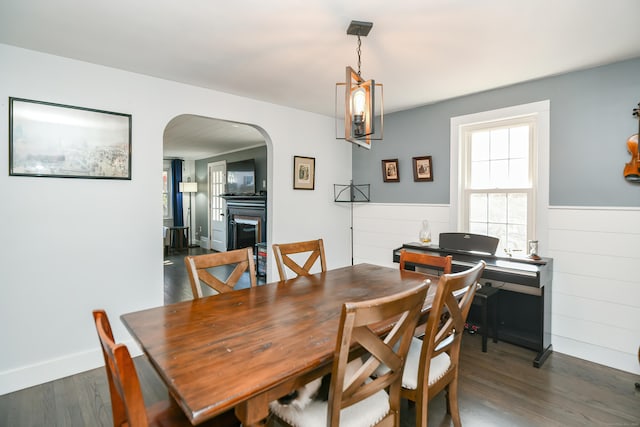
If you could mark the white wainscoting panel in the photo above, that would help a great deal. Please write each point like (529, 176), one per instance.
(596, 281)
(596, 285)
(379, 228)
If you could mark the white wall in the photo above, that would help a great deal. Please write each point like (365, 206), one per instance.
(72, 245)
(596, 285)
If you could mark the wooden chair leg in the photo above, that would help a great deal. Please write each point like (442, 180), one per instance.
(421, 413)
(452, 403)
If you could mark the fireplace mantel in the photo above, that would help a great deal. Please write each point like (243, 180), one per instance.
(244, 197)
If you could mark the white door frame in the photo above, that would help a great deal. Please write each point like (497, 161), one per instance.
(215, 191)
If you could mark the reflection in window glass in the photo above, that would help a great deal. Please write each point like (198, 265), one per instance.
(499, 173)
(480, 146)
(478, 207)
(518, 172)
(498, 208)
(480, 174)
(499, 144)
(519, 142)
(479, 228)
(517, 212)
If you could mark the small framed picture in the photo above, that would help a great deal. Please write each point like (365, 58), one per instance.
(422, 169)
(390, 171)
(304, 173)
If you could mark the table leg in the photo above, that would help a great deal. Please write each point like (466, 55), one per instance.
(253, 412)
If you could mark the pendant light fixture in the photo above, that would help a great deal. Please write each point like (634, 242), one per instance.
(363, 107)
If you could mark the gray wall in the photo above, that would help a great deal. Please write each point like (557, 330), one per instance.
(260, 156)
(590, 123)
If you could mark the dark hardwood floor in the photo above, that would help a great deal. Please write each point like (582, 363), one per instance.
(497, 388)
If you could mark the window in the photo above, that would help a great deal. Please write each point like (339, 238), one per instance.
(498, 194)
(166, 193)
(499, 171)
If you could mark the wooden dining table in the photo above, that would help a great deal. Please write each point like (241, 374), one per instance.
(245, 348)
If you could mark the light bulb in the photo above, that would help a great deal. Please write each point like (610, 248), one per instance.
(358, 102)
(358, 105)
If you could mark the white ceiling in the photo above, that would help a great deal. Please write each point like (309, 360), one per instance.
(292, 52)
(193, 137)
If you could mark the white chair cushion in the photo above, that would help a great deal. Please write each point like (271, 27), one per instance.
(438, 368)
(365, 413)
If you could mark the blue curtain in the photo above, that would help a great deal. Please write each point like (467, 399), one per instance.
(176, 195)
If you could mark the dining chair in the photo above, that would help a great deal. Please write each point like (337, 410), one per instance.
(283, 251)
(127, 402)
(200, 269)
(432, 363)
(422, 259)
(358, 400)
(419, 259)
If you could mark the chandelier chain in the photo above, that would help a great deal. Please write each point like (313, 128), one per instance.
(359, 50)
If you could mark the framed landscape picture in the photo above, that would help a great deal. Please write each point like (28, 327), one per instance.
(304, 173)
(54, 140)
(422, 169)
(390, 171)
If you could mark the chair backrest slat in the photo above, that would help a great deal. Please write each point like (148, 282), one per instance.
(423, 259)
(198, 270)
(283, 251)
(357, 328)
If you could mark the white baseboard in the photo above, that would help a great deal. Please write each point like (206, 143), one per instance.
(204, 242)
(596, 354)
(53, 369)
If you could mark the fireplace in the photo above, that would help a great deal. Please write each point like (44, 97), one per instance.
(246, 231)
(246, 222)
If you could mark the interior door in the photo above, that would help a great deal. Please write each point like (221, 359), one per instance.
(217, 206)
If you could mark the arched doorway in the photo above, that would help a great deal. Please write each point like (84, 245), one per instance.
(204, 144)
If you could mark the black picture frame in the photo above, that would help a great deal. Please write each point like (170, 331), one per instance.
(64, 141)
(304, 173)
(422, 169)
(390, 171)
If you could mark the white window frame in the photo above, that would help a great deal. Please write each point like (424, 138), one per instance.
(539, 113)
(528, 189)
(168, 192)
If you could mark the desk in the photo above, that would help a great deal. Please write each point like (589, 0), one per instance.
(246, 348)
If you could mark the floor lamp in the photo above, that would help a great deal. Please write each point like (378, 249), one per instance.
(190, 188)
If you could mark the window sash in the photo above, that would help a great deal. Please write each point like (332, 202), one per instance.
(503, 196)
(504, 213)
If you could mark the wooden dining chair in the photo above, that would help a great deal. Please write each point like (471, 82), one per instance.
(283, 251)
(422, 259)
(419, 259)
(200, 269)
(432, 363)
(357, 399)
(127, 402)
